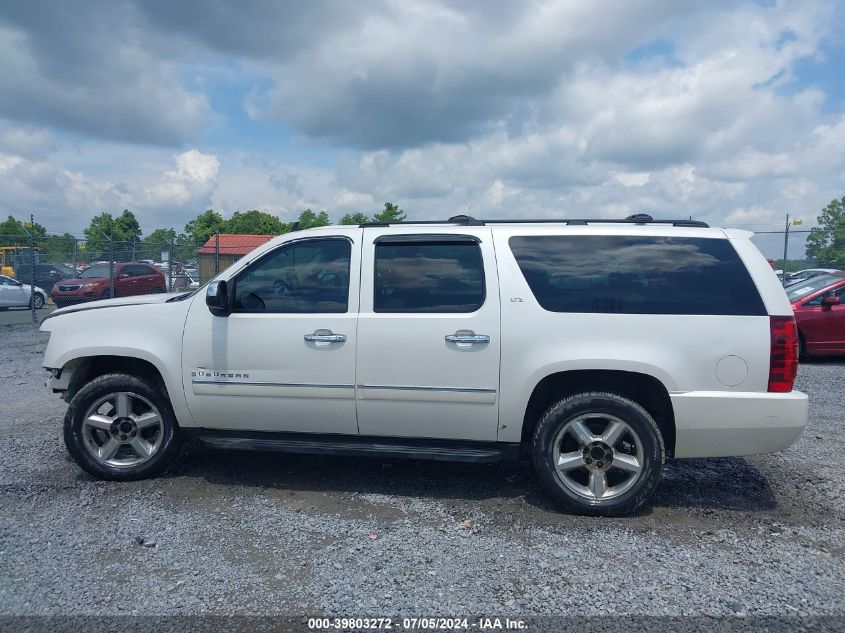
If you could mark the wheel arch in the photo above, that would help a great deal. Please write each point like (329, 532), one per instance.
(87, 368)
(644, 389)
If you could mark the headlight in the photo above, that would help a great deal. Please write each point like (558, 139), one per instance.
(94, 285)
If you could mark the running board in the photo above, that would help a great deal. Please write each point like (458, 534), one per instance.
(413, 448)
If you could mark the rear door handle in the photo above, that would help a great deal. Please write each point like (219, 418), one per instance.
(325, 336)
(467, 336)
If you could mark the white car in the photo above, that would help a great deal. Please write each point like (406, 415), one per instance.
(16, 294)
(807, 273)
(594, 348)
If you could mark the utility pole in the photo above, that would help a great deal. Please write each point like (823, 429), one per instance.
(785, 247)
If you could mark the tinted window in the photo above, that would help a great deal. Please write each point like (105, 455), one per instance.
(428, 277)
(303, 277)
(636, 275)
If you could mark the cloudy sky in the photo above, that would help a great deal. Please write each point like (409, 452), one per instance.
(730, 112)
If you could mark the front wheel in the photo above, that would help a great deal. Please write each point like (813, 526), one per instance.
(598, 454)
(122, 428)
(37, 301)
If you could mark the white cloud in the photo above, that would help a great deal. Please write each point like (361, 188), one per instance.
(193, 179)
(347, 199)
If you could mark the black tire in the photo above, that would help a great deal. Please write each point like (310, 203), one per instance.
(802, 347)
(38, 300)
(110, 384)
(638, 421)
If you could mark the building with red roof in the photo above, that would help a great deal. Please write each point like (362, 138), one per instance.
(231, 248)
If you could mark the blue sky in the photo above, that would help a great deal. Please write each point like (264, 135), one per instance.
(730, 112)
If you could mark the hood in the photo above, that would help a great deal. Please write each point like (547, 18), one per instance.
(78, 281)
(112, 303)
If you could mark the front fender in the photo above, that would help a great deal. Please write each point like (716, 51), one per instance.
(150, 332)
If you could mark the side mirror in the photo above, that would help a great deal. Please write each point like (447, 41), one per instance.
(829, 302)
(217, 298)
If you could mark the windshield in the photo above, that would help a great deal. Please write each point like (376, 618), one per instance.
(97, 270)
(810, 286)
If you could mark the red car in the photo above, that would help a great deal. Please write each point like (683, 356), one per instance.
(92, 283)
(819, 313)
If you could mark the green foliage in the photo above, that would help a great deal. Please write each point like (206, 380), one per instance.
(253, 222)
(204, 226)
(391, 213)
(124, 229)
(826, 243)
(160, 237)
(59, 249)
(308, 219)
(13, 227)
(354, 218)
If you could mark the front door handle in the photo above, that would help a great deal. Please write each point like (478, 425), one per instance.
(467, 336)
(325, 336)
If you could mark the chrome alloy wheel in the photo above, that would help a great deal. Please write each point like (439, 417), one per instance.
(597, 456)
(122, 429)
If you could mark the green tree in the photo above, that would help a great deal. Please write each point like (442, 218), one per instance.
(124, 230)
(160, 237)
(97, 235)
(204, 226)
(308, 219)
(11, 228)
(354, 218)
(59, 249)
(391, 213)
(156, 242)
(254, 222)
(826, 243)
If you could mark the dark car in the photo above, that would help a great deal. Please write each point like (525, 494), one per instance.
(46, 275)
(92, 283)
(819, 313)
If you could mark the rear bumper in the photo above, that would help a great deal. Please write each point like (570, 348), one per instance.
(725, 423)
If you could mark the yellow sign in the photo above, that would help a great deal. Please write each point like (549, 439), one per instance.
(798, 222)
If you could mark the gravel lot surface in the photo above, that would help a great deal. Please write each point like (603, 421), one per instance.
(241, 533)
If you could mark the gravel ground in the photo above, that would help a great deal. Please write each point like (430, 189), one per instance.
(234, 533)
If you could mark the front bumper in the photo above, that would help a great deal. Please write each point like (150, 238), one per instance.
(726, 423)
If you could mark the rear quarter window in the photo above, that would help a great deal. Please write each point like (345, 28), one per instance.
(636, 275)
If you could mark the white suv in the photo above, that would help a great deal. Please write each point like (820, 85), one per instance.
(596, 347)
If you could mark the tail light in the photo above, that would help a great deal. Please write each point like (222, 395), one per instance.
(783, 362)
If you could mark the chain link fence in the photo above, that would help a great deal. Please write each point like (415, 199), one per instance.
(66, 270)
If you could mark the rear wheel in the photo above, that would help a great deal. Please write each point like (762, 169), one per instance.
(598, 454)
(121, 427)
(37, 301)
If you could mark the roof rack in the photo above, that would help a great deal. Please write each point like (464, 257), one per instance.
(467, 220)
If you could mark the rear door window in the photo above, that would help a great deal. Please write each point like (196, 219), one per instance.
(636, 275)
(428, 274)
